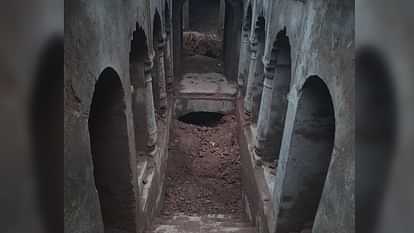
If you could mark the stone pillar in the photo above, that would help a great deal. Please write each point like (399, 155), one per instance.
(161, 76)
(168, 60)
(149, 107)
(244, 58)
(186, 15)
(250, 88)
(222, 17)
(177, 35)
(263, 124)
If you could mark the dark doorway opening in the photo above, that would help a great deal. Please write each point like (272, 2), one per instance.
(281, 86)
(137, 58)
(209, 119)
(110, 154)
(309, 158)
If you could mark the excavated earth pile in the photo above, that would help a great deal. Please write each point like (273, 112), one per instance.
(203, 175)
(205, 44)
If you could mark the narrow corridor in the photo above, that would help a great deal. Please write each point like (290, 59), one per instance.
(203, 183)
(211, 117)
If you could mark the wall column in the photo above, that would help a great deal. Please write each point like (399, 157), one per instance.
(222, 17)
(231, 51)
(168, 59)
(161, 76)
(244, 59)
(186, 15)
(250, 89)
(263, 124)
(149, 107)
(177, 36)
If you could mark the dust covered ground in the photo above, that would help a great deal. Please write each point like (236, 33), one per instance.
(203, 175)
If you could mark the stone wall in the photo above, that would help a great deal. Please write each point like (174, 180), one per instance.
(321, 37)
(98, 36)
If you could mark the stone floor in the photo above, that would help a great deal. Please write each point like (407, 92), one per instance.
(206, 84)
(202, 64)
(217, 223)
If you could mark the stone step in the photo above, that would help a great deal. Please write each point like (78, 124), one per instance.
(205, 218)
(217, 223)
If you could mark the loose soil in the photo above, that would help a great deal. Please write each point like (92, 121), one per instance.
(204, 44)
(203, 174)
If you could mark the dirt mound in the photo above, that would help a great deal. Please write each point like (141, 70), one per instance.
(203, 175)
(205, 44)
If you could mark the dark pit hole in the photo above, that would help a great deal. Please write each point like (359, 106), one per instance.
(208, 119)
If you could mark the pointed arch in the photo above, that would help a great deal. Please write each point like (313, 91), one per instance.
(281, 57)
(137, 58)
(308, 159)
(108, 134)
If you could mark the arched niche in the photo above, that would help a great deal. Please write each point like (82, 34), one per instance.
(281, 55)
(111, 154)
(137, 58)
(309, 156)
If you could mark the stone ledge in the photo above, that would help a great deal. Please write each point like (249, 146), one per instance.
(257, 190)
